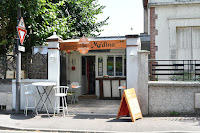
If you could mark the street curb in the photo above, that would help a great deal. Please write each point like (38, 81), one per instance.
(54, 130)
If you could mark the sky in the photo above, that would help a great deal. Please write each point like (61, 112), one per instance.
(126, 17)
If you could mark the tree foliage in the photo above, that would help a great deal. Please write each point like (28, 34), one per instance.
(68, 18)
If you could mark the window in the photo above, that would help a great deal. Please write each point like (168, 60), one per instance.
(188, 43)
(124, 65)
(116, 65)
(100, 66)
(110, 65)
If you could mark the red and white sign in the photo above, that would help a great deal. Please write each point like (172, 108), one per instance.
(21, 30)
(21, 23)
(22, 33)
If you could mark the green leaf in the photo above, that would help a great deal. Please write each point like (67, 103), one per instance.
(68, 18)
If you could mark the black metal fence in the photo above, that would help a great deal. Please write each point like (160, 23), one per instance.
(34, 66)
(175, 70)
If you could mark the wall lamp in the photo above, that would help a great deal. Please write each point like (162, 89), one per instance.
(133, 55)
(52, 57)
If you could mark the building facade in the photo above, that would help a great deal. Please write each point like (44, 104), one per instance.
(174, 28)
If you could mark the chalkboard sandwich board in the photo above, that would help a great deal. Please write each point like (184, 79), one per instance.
(129, 105)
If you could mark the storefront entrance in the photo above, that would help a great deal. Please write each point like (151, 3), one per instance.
(98, 65)
(88, 69)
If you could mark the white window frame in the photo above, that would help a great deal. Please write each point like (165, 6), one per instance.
(114, 56)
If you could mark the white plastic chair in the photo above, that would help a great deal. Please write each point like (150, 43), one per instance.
(29, 92)
(61, 92)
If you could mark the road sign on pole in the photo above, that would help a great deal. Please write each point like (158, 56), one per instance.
(21, 23)
(22, 33)
(21, 30)
(21, 48)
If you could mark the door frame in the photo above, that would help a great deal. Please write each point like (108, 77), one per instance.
(87, 87)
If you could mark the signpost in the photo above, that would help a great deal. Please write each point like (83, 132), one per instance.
(21, 33)
(21, 30)
(129, 105)
(21, 48)
(21, 23)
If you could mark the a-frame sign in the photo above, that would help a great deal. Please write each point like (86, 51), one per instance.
(21, 30)
(129, 105)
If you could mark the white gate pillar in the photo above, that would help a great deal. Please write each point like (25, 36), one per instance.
(54, 58)
(132, 45)
(137, 70)
(54, 61)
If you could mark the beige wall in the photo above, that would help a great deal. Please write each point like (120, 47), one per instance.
(169, 19)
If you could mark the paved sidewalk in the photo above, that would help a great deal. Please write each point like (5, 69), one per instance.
(94, 106)
(90, 115)
(98, 123)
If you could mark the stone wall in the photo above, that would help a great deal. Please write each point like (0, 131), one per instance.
(167, 97)
(5, 94)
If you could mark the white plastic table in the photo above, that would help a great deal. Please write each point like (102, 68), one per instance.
(75, 96)
(120, 89)
(44, 86)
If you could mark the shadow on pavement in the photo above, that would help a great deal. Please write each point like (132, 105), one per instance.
(108, 117)
(21, 116)
(46, 116)
(121, 120)
(93, 117)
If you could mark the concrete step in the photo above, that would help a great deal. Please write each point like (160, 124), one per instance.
(88, 97)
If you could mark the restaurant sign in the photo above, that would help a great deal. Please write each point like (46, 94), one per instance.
(94, 45)
(84, 43)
